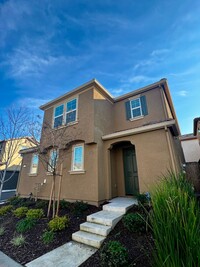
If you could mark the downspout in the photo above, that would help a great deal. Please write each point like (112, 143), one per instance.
(170, 150)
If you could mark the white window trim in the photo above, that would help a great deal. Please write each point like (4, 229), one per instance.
(73, 171)
(136, 117)
(33, 173)
(64, 114)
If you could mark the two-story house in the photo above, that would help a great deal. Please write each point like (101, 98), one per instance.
(121, 146)
(10, 163)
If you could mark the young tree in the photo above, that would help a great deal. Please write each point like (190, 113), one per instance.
(52, 150)
(13, 126)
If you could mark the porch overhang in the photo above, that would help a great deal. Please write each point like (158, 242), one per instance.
(147, 128)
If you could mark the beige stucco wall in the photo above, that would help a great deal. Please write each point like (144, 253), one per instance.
(82, 186)
(155, 112)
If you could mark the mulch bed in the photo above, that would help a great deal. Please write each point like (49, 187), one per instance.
(34, 247)
(139, 245)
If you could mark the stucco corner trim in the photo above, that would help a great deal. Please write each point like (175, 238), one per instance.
(138, 130)
(77, 172)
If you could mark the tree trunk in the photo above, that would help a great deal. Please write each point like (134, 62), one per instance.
(54, 197)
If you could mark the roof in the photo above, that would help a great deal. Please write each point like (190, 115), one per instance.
(196, 121)
(187, 137)
(23, 137)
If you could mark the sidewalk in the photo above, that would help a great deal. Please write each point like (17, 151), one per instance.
(5, 261)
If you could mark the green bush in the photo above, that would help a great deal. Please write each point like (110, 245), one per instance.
(20, 212)
(176, 223)
(5, 209)
(113, 254)
(142, 199)
(80, 207)
(65, 204)
(18, 241)
(41, 204)
(35, 214)
(15, 201)
(27, 203)
(58, 223)
(48, 237)
(2, 230)
(134, 222)
(25, 225)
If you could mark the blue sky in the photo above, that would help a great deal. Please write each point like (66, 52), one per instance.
(50, 47)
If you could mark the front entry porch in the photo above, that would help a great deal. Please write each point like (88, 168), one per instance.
(124, 174)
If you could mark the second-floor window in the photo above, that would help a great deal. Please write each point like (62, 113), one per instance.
(58, 116)
(65, 114)
(34, 164)
(136, 108)
(71, 111)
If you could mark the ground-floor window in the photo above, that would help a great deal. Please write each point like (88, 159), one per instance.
(78, 157)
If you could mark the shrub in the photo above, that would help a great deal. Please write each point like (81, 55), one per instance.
(25, 225)
(27, 203)
(134, 222)
(176, 223)
(143, 199)
(80, 207)
(48, 237)
(2, 230)
(18, 241)
(58, 223)
(15, 201)
(20, 212)
(35, 214)
(65, 204)
(5, 209)
(113, 254)
(41, 204)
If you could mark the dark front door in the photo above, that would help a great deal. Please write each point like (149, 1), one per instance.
(130, 171)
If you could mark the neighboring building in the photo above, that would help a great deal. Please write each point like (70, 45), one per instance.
(10, 149)
(196, 130)
(121, 146)
(191, 149)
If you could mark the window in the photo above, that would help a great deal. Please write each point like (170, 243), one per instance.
(53, 158)
(77, 158)
(71, 111)
(58, 116)
(136, 108)
(34, 164)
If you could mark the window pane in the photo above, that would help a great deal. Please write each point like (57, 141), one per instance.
(58, 121)
(78, 158)
(136, 112)
(52, 160)
(71, 105)
(34, 164)
(135, 103)
(58, 110)
(71, 116)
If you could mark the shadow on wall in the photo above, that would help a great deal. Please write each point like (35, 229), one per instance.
(193, 175)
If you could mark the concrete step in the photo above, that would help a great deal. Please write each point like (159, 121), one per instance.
(120, 205)
(95, 228)
(104, 217)
(89, 239)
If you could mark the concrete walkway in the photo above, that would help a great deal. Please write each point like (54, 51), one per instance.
(5, 261)
(71, 254)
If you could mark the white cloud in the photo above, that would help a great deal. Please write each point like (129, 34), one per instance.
(159, 52)
(182, 93)
(117, 92)
(141, 78)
